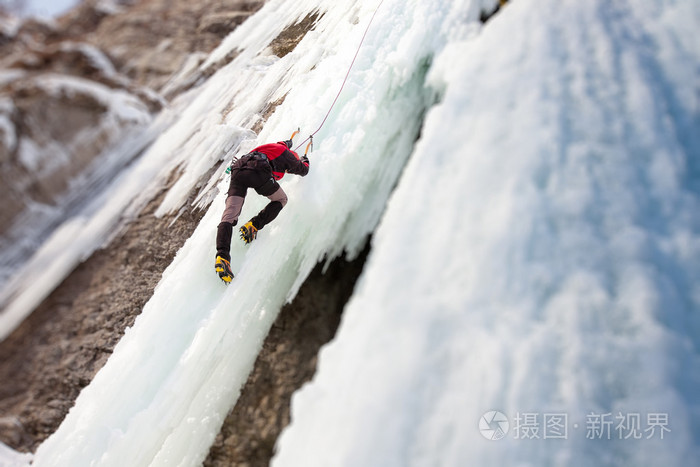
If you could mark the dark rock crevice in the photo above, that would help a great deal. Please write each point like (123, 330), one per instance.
(287, 360)
(288, 39)
(485, 15)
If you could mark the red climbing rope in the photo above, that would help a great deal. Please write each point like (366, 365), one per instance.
(310, 138)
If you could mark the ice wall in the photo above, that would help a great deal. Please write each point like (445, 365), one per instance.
(540, 258)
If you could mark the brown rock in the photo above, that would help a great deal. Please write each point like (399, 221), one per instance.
(49, 115)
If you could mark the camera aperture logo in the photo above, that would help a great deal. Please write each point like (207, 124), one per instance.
(494, 425)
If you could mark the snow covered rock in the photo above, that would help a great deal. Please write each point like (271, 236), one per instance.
(52, 127)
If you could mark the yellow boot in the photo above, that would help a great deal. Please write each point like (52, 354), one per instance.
(223, 269)
(248, 232)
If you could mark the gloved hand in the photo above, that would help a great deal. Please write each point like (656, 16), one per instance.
(305, 159)
(289, 143)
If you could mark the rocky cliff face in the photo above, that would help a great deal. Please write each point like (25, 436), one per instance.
(151, 40)
(73, 88)
(62, 106)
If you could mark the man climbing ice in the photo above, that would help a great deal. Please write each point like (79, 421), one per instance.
(260, 169)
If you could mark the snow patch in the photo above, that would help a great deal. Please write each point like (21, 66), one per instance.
(97, 58)
(12, 458)
(9, 26)
(8, 134)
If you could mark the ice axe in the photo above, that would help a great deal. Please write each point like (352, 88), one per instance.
(308, 146)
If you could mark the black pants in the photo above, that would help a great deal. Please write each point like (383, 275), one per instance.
(241, 179)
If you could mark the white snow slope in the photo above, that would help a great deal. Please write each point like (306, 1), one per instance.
(539, 256)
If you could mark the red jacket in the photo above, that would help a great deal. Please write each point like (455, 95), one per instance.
(283, 160)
